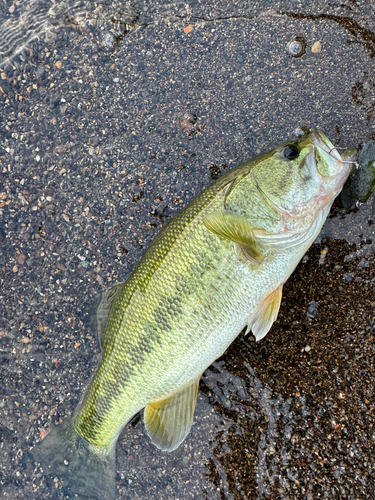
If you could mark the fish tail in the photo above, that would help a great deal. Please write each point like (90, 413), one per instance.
(82, 470)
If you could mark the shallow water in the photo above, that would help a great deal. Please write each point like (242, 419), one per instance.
(111, 125)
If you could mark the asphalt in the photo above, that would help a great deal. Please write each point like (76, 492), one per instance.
(111, 122)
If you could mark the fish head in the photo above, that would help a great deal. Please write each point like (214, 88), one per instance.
(302, 177)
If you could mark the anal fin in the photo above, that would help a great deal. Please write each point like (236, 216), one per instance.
(265, 314)
(168, 421)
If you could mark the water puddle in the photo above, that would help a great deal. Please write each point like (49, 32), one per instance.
(36, 18)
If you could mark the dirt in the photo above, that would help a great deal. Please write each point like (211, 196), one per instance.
(109, 129)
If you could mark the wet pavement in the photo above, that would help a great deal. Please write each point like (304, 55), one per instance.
(111, 122)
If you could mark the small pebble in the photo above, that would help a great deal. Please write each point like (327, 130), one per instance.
(323, 255)
(364, 263)
(347, 277)
(298, 132)
(108, 40)
(297, 47)
(316, 48)
(312, 309)
(21, 258)
(39, 72)
(94, 141)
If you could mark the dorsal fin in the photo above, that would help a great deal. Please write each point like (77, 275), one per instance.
(104, 309)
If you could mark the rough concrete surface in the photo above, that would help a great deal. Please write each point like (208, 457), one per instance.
(110, 123)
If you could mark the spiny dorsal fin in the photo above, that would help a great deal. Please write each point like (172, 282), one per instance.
(168, 421)
(236, 228)
(104, 309)
(265, 314)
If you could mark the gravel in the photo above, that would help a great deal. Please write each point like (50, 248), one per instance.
(110, 127)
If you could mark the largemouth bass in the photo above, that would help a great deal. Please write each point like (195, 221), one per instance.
(217, 267)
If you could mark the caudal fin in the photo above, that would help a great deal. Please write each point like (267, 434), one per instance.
(82, 471)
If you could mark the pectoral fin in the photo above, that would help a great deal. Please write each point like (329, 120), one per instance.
(104, 309)
(168, 421)
(236, 228)
(265, 314)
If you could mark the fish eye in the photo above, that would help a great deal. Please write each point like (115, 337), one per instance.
(290, 152)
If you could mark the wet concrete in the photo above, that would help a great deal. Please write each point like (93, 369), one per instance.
(104, 140)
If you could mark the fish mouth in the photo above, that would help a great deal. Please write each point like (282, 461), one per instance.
(322, 160)
(329, 165)
(328, 160)
(322, 143)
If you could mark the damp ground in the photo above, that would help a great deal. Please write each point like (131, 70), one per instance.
(112, 120)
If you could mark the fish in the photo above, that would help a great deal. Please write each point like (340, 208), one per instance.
(217, 267)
